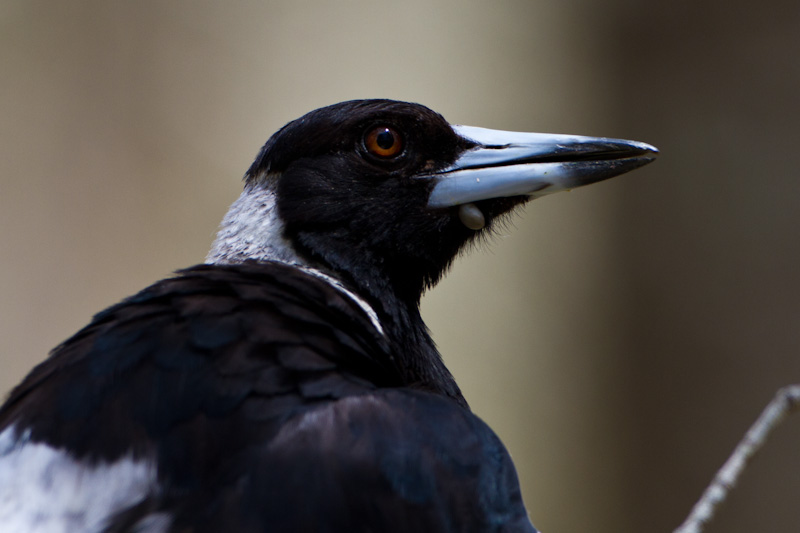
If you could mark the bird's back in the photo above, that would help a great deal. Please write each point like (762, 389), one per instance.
(244, 395)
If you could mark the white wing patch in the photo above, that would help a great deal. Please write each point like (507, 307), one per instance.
(44, 490)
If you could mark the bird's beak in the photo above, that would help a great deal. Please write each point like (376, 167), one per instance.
(506, 163)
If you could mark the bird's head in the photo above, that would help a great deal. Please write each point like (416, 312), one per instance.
(383, 194)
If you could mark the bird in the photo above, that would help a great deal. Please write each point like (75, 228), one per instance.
(289, 383)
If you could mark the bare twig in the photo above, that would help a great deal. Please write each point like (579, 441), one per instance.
(786, 400)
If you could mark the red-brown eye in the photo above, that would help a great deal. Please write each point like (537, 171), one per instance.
(383, 141)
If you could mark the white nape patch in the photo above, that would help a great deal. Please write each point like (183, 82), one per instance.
(44, 490)
(253, 230)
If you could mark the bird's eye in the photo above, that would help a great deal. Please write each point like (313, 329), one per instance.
(384, 142)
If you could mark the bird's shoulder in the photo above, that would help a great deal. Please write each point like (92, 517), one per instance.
(214, 343)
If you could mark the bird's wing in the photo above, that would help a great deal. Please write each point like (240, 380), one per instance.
(181, 376)
(392, 460)
(224, 395)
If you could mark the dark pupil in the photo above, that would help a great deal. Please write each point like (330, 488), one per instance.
(385, 139)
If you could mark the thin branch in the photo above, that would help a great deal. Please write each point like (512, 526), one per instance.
(786, 400)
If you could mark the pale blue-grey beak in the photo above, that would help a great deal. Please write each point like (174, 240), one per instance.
(507, 163)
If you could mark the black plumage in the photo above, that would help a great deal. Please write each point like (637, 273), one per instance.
(290, 384)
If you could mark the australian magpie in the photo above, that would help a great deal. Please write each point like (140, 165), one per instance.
(288, 383)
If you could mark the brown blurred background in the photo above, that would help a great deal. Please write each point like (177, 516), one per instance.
(620, 338)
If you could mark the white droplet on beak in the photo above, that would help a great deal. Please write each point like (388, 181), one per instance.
(471, 216)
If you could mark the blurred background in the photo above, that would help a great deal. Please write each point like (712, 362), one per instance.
(620, 338)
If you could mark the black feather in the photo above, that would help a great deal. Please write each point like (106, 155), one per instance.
(247, 430)
(266, 396)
